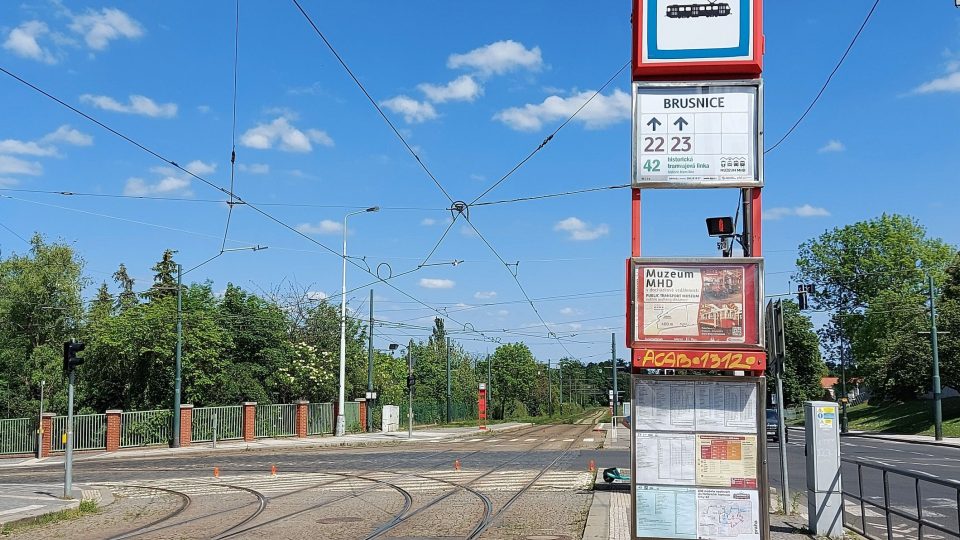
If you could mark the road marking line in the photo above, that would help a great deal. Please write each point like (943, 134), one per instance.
(588, 439)
(21, 509)
(568, 440)
(529, 440)
(515, 440)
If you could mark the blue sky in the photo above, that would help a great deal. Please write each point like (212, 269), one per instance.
(473, 88)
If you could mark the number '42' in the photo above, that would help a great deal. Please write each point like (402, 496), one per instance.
(651, 165)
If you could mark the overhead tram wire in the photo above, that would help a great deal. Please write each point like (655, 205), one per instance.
(225, 191)
(11, 231)
(549, 137)
(372, 101)
(68, 193)
(233, 132)
(829, 78)
(550, 333)
(552, 195)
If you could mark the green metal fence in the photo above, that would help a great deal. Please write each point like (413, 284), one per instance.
(145, 428)
(351, 416)
(319, 418)
(18, 436)
(89, 432)
(226, 422)
(278, 420)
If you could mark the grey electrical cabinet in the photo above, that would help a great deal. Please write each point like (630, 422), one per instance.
(822, 449)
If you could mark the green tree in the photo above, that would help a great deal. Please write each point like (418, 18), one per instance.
(40, 308)
(852, 265)
(803, 367)
(514, 370)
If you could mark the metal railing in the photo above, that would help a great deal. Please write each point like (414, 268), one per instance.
(89, 432)
(224, 423)
(278, 420)
(144, 428)
(889, 516)
(18, 436)
(319, 418)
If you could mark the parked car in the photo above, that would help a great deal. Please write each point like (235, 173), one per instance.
(773, 427)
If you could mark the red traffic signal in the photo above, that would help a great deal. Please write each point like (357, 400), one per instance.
(720, 226)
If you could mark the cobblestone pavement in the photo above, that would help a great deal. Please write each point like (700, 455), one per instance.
(529, 483)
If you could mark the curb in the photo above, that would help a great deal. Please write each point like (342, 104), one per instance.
(105, 498)
(894, 438)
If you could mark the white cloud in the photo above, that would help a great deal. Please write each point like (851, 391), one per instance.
(427, 222)
(138, 187)
(29, 148)
(503, 313)
(67, 134)
(326, 226)
(832, 145)
(431, 283)
(23, 41)
(254, 168)
(599, 113)
(485, 295)
(12, 165)
(203, 109)
(570, 311)
(947, 83)
(200, 168)
(806, 210)
(8, 182)
(463, 88)
(498, 58)
(138, 104)
(468, 231)
(413, 111)
(287, 137)
(98, 28)
(581, 230)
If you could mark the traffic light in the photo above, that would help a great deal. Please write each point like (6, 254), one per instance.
(411, 381)
(70, 358)
(720, 226)
(803, 292)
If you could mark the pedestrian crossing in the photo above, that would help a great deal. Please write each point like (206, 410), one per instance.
(412, 481)
(501, 442)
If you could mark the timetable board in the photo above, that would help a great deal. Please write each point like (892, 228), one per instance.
(697, 450)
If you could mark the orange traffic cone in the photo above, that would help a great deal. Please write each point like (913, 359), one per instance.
(273, 470)
(216, 472)
(592, 467)
(456, 465)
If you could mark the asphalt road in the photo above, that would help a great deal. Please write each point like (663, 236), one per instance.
(938, 503)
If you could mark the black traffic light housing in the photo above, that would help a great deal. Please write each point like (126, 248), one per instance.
(720, 226)
(70, 358)
(803, 298)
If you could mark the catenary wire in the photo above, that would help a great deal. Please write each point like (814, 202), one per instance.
(233, 132)
(829, 78)
(549, 137)
(372, 101)
(257, 209)
(11, 231)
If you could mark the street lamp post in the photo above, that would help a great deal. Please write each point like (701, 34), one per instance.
(343, 323)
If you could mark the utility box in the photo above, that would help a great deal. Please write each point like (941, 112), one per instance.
(824, 489)
(390, 418)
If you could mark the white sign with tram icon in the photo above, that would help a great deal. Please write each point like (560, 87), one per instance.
(698, 134)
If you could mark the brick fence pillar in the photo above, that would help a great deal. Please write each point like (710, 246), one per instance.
(302, 412)
(363, 414)
(46, 431)
(113, 429)
(249, 421)
(186, 424)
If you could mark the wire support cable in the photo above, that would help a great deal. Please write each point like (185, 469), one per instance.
(549, 137)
